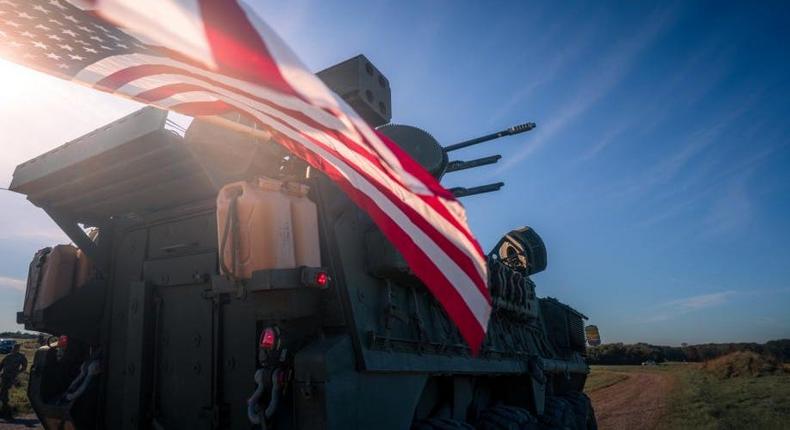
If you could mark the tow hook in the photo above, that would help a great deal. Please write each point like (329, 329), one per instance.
(88, 371)
(255, 412)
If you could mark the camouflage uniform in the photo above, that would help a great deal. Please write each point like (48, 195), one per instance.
(12, 365)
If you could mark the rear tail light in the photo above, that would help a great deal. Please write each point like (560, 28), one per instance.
(268, 339)
(315, 277)
(321, 279)
(63, 342)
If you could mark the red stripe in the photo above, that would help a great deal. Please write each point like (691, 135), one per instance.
(202, 108)
(238, 48)
(122, 77)
(240, 51)
(421, 174)
(465, 262)
(165, 91)
(415, 169)
(421, 263)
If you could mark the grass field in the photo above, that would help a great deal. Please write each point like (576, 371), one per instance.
(704, 401)
(699, 399)
(602, 377)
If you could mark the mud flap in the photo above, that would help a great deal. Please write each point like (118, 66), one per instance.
(538, 385)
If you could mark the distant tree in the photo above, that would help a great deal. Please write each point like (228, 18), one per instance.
(619, 353)
(18, 335)
(779, 349)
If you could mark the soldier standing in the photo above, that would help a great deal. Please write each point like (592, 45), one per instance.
(12, 365)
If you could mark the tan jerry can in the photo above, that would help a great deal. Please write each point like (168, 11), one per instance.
(304, 218)
(57, 279)
(254, 228)
(84, 270)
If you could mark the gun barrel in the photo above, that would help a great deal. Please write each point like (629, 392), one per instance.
(456, 165)
(464, 192)
(521, 128)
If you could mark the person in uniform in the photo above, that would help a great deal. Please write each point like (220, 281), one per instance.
(12, 365)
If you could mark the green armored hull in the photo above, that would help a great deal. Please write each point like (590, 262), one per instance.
(157, 337)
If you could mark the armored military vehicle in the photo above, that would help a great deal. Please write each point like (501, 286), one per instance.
(153, 326)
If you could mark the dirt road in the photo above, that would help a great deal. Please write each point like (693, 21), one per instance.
(636, 402)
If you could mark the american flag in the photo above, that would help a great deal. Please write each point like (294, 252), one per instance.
(210, 57)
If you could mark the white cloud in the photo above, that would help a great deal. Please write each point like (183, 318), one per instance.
(732, 209)
(559, 60)
(676, 308)
(611, 71)
(701, 301)
(12, 283)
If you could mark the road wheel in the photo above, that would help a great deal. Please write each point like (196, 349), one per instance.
(558, 414)
(503, 417)
(583, 410)
(441, 424)
(592, 423)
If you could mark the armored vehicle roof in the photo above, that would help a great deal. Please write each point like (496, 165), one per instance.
(130, 166)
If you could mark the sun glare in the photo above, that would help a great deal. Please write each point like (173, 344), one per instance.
(16, 79)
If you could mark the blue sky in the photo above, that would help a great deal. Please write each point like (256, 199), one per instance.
(658, 174)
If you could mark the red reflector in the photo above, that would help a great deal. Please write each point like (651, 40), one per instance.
(268, 338)
(321, 279)
(63, 341)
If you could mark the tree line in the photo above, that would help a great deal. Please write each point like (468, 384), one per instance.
(17, 335)
(619, 353)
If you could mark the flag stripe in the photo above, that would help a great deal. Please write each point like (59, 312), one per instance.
(424, 219)
(129, 75)
(376, 195)
(238, 48)
(111, 72)
(385, 211)
(208, 57)
(367, 167)
(306, 123)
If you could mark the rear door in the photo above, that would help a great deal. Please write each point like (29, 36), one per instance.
(184, 365)
(181, 259)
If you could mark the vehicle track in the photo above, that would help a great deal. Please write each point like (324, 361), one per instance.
(637, 402)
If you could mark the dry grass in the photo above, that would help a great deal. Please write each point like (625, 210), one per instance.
(743, 363)
(601, 377)
(711, 396)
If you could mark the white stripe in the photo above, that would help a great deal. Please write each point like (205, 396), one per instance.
(186, 97)
(466, 288)
(176, 24)
(440, 224)
(307, 84)
(110, 65)
(101, 69)
(187, 35)
(291, 68)
(350, 125)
